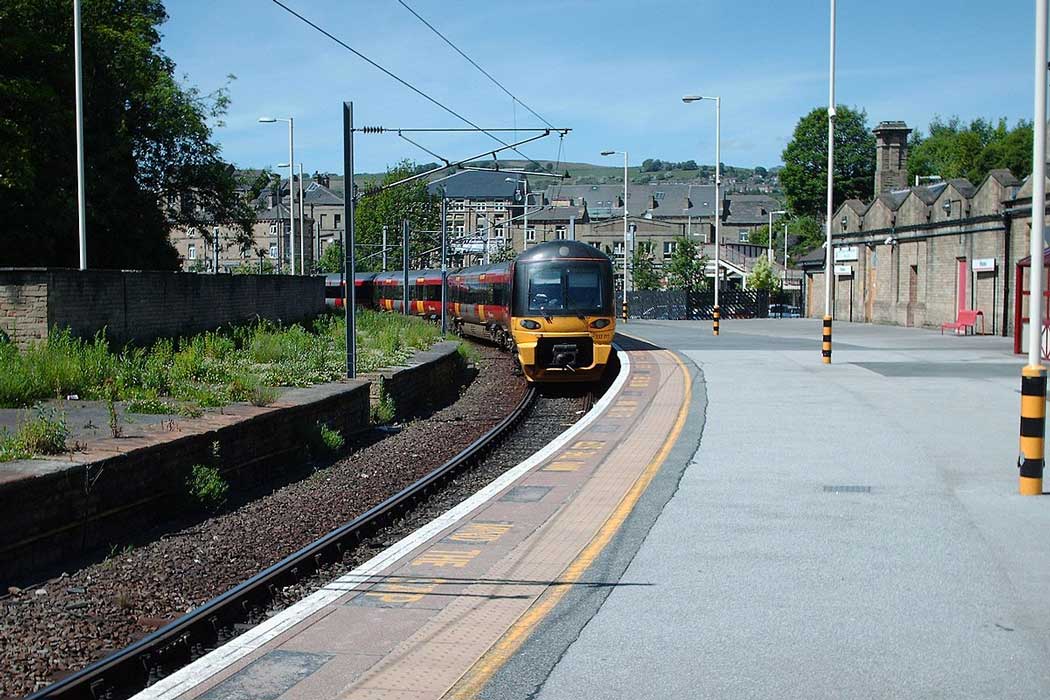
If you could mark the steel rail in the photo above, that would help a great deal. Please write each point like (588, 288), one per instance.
(182, 641)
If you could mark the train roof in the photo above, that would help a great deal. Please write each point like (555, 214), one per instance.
(553, 250)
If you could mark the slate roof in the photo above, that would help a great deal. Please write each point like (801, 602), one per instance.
(316, 193)
(274, 213)
(649, 201)
(552, 214)
(474, 184)
(751, 208)
(1004, 177)
(964, 186)
(857, 206)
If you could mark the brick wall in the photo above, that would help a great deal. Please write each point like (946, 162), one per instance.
(433, 379)
(139, 307)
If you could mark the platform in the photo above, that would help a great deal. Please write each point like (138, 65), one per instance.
(439, 613)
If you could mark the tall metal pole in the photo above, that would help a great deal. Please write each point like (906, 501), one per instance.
(718, 211)
(769, 237)
(291, 189)
(625, 215)
(302, 226)
(444, 258)
(525, 242)
(1033, 376)
(81, 197)
(828, 262)
(404, 267)
(348, 249)
(384, 249)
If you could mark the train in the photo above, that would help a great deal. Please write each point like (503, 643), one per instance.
(552, 306)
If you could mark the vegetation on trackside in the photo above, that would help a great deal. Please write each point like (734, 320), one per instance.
(240, 363)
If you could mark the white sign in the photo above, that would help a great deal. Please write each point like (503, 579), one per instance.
(843, 270)
(847, 253)
(983, 265)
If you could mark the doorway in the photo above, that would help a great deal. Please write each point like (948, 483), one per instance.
(963, 276)
(913, 294)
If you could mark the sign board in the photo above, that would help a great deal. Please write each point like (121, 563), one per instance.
(983, 265)
(847, 253)
(843, 270)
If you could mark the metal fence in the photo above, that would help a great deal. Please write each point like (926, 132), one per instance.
(675, 305)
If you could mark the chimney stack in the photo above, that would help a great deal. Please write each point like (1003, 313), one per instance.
(891, 156)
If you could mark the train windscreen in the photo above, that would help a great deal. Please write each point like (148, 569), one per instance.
(562, 288)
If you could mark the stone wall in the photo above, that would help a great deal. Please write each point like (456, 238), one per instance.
(432, 379)
(139, 307)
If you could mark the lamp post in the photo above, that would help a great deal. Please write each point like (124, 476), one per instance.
(81, 197)
(291, 177)
(718, 199)
(769, 242)
(1033, 375)
(625, 233)
(828, 271)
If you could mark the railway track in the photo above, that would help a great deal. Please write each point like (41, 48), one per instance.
(180, 642)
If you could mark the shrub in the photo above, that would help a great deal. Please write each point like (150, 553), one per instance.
(151, 404)
(207, 488)
(383, 410)
(263, 395)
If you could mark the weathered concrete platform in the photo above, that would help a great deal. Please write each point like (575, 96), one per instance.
(442, 611)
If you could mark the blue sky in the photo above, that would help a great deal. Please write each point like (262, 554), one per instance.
(614, 71)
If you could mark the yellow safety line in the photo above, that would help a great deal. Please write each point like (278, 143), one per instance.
(486, 667)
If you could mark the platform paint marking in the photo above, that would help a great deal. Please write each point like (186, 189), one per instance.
(213, 663)
(410, 591)
(589, 445)
(457, 558)
(563, 465)
(475, 679)
(481, 532)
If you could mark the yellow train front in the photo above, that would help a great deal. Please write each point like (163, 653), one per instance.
(562, 315)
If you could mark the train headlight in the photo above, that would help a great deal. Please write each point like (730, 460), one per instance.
(600, 323)
(529, 324)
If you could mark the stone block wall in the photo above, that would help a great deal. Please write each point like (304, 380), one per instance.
(139, 307)
(433, 379)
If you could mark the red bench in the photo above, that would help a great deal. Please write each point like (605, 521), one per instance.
(966, 322)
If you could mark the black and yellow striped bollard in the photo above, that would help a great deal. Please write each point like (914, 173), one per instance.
(825, 349)
(625, 312)
(1033, 430)
(715, 317)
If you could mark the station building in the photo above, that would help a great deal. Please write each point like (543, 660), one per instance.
(917, 255)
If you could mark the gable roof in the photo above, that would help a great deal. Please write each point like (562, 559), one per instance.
(650, 200)
(476, 184)
(750, 208)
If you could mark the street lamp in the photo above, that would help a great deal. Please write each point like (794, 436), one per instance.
(612, 153)
(79, 83)
(828, 271)
(769, 241)
(718, 198)
(291, 177)
(302, 223)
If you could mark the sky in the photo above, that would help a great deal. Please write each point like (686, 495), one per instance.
(613, 71)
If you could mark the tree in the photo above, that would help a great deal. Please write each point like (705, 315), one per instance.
(504, 253)
(389, 208)
(689, 165)
(687, 270)
(760, 171)
(332, 258)
(762, 276)
(643, 269)
(805, 171)
(953, 149)
(151, 164)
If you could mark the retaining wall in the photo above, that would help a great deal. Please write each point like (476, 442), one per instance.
(141, 306)
(56, 513)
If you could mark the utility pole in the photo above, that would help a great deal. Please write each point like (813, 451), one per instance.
(384, 249)
(828, 262)
(81, 197)
(1033, 376)
(404, 266)
(302, 226)
(348, 249)
(444, 258)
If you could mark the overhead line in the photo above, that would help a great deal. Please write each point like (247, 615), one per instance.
(404, 82)
(474, 63)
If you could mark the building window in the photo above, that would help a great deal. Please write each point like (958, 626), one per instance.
(669, 248)
(559, 233)
(482, 206)
(745, 234)
(497, 231)
(596, 244)
(658, 195)
(323, 220)
(273, 229)
(618, 248)
(338, 219)
(459, 228)
(273, 250)
(192, 252)
(530, 234)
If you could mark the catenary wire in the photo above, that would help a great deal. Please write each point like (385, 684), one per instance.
(474, 63)
(404, 82)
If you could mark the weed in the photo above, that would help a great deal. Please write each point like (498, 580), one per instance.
(207, 488)
(468, 353)
(110, 394)
(10, 447)
(44, 434)
(331, 438)
(383, 410)
(190, 410)
(263, 396)
(152, 405)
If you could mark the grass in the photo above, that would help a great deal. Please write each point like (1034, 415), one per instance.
(240, 363)
(44, 434)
